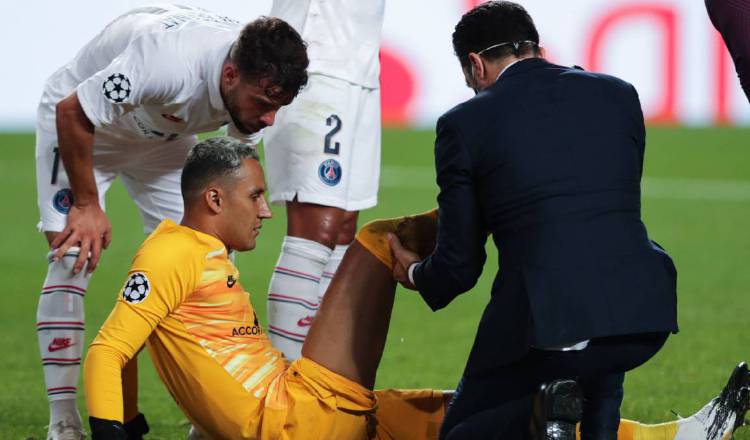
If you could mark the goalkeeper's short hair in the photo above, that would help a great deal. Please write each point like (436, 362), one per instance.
(211, 159)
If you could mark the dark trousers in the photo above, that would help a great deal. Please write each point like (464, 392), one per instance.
(499, 404)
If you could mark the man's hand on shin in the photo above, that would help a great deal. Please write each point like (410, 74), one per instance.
(89, 228)
(402, 259)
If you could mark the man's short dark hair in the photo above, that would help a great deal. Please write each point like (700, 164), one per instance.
(491, 23)
(269, 48)
(211, 159)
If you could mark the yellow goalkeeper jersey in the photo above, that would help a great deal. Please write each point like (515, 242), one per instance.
(183, 299)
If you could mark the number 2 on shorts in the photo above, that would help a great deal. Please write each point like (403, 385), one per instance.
(336, 122)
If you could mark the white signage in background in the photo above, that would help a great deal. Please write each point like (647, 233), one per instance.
(667, 49)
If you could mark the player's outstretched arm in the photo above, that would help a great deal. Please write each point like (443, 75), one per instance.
(87, 225)
(117, 343)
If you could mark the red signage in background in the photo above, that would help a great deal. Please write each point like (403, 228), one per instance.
(663, 110)
(397, 89)
(723, 69)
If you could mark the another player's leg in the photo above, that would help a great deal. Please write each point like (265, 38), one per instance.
(717, 420)
(293, 298)
(60, 324)
(346, 232)
(322, 161)
(60, 311)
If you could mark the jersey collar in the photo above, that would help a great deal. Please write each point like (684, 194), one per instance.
(214, 76)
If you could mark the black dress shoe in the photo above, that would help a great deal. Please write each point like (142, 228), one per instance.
(558, 407)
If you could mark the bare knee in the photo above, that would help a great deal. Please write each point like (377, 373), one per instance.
(51, 235)
(348, 228)
(318, 223)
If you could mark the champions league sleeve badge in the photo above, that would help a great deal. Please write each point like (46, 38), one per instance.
(116, 88)
(137, 288)
(330, 172)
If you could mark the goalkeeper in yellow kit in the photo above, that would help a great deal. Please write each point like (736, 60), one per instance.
(183, 299)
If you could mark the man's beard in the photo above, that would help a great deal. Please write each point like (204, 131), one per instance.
(231, 105)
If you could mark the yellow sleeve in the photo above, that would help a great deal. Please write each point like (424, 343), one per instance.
(130, 389)
(161, 276)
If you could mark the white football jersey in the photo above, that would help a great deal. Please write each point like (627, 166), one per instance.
(151, 75)
(342, 36)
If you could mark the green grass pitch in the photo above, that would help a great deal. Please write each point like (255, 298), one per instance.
(696, 204)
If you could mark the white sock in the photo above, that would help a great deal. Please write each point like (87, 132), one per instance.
(293, 293)
(331, 267)
(60, 318)
(696, 426)
(65, 411)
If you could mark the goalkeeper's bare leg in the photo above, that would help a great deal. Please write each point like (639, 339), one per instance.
(349, 332)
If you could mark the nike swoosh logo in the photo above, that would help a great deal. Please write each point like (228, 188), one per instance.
(231, 281)
(53, 348)
(305, 322)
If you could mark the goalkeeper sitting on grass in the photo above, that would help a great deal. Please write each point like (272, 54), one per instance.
(183, 299)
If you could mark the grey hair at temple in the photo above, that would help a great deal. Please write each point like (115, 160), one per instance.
(210, 159)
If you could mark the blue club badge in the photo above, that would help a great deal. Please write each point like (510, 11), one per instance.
(330, 172)
(63, 200)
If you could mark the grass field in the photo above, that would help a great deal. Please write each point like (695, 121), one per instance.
(696, 204)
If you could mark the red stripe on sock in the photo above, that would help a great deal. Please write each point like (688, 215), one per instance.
(286, 332)
(286, 269)
(278, 295)
(62, 388)
(64, 286)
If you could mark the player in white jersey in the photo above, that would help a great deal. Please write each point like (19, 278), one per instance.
(323, 155)
(129, 105)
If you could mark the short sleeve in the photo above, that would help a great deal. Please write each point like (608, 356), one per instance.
(142, 73)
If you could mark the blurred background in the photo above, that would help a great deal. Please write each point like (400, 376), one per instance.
(696, 190)
(666, 48)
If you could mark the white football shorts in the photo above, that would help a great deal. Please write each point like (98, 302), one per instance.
(150, 172)
(324, 147)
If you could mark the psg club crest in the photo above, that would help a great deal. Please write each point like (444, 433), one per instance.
(330, 172)
(116, 88)
(136, 288)
(63, 200)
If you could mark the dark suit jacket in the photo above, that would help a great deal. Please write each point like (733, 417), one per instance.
(549, 161)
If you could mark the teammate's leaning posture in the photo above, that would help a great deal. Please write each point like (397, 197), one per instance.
(323, 156)
(129, 104)
(184, 298)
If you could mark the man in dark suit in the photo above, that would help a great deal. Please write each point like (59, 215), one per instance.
(548, 160)
(732, 19)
